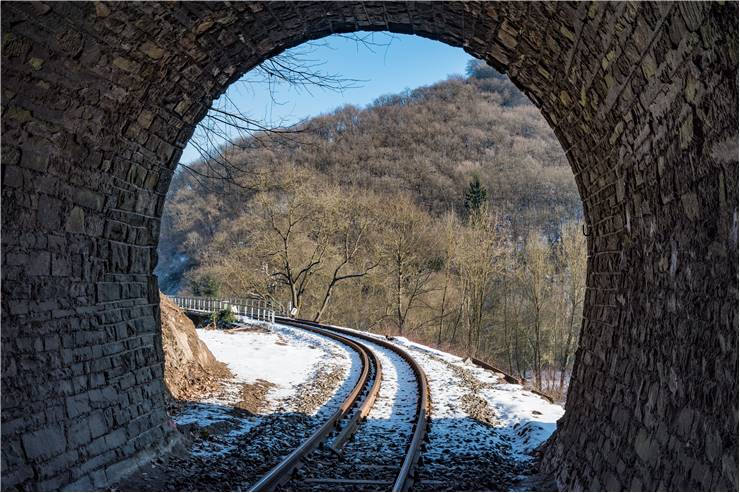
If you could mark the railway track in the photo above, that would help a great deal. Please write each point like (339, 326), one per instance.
(372, 461)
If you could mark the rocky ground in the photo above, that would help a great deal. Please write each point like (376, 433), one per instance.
(484, 430)
(236, 430)
(280, 383)
(322, 384)
(215, 458)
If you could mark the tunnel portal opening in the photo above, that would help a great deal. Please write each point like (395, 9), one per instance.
(100, 99)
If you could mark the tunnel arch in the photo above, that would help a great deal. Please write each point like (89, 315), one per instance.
(100, 99)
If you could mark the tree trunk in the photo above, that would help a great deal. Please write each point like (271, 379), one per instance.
(537, 352)
(566, 351)
(469, 322)
(399, 294)
(325, 302)
(479, 319)
(517, 358)
(507, 335)
(456, 325)
(442, 311)
(295, 299)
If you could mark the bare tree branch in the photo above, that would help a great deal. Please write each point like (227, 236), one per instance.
(226, 127)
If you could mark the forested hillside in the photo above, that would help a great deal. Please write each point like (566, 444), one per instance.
(447, 213)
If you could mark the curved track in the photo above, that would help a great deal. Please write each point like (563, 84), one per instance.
(344, 422)
(368, 379)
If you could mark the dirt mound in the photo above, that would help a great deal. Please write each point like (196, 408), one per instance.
(190, 369)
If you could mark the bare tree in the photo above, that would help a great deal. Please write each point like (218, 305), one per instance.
(349, 232)
(535, 279)
(290, 236)
(227, 128)
(449, 238)
(479, 259)
(573, 256)
(405, 250)
(505, 292)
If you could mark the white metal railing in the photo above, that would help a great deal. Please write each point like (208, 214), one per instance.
(256, 309)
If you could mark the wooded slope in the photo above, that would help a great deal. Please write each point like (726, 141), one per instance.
(427, 144)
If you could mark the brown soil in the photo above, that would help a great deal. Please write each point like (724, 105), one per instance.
(190, 369)
(253, 396)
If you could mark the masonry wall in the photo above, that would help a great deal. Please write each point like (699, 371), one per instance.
(99, 99)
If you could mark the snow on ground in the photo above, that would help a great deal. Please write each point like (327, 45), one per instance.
(393, 412)
(289, 358)
(207, 415)
(525, 419)
(396, 400)
(379, 444)
(286, 357)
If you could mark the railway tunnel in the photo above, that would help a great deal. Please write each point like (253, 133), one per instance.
(99, 99)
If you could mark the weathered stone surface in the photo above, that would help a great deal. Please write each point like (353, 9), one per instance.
(99, 99)
(45, 442)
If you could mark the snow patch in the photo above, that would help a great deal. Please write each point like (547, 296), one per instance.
(282, 355)
(526, 419)
(285, 356)
(288, 357)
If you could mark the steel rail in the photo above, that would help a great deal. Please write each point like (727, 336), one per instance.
(407, 474)
(285, 468)
(364, 408)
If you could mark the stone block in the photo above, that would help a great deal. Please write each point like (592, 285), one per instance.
(78, 433)
(84, 483)
(48, 213)
(35, 161)
(116, 438)
(48, 441)
(39, 264)
(89, 199)
(17, 475)
(99, 479)
(76, 220)
(97, 448)
(126, 64)
(61, 463)
(152, 51)
(108, 291)
(55, 483)
(77, 405)
(60, 266)
(646, 447)
(12, 176)
(98, 426)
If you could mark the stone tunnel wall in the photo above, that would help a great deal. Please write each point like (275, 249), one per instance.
(99, 99)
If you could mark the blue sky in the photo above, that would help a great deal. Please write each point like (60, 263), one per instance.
(392, 64)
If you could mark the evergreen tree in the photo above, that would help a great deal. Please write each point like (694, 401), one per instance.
(205, 286)
(475, 196)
